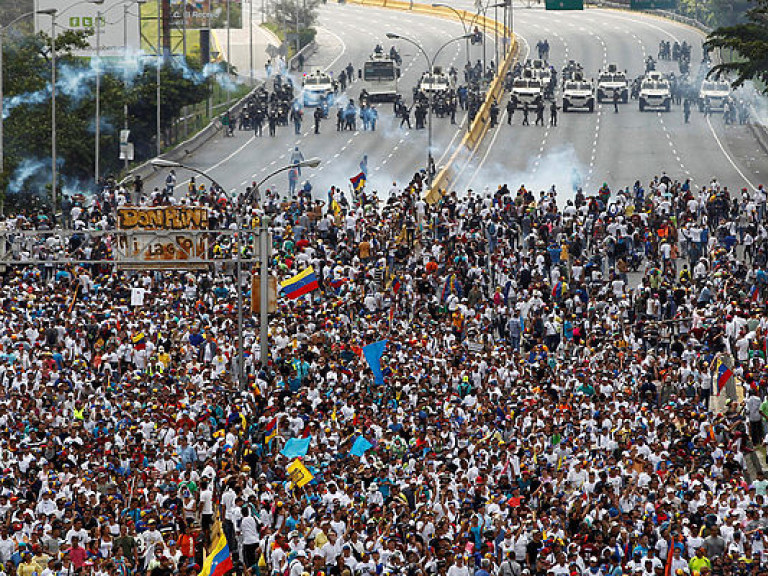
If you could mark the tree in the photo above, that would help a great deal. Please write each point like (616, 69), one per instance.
(287, 13)
(27, 71)
(715, 13)
(12, 9)
(749, 43)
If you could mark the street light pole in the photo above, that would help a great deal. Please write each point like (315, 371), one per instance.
(495, 37)
(52, 13)
(229, 52)
(159, 147)
(430, 64)
(463, 24)
(125, 56)
(263, 261)
(97, 146)
(264, 246)
(250, 40)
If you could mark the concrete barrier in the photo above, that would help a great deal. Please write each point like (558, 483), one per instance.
(307, 51)
(476, 133)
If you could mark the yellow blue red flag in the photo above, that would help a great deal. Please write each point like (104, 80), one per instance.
(301, 284)
(219, 561)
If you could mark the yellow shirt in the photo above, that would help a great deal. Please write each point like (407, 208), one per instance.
(26, 569)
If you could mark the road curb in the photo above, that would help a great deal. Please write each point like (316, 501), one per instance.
(273, 37)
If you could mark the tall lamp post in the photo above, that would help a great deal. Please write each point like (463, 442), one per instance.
(2, 105)
(264, 267)
(158, 129)
(125, 56)
(97, 143)
(496, 33)
(460, 16)
(263, 261)
(430, 64)
(52, 13)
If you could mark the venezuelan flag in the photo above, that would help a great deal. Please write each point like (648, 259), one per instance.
(219, 561)
(557, 290)
(139, 341)
(271, 430)
(358, 182)
(337, 283)
(300, 284)
(723, 375)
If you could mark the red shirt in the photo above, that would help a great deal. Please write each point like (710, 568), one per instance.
(77, 556)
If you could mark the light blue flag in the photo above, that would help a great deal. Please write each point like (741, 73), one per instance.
(373, 354)
(296, 447)
(360, 447)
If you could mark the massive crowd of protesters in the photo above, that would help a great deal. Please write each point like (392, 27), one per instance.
(550, 401)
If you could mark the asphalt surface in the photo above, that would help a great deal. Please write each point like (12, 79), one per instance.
(347, 34)
(604, 146)
(585, 149)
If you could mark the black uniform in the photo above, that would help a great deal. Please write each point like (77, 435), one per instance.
(553, 114)
(510, 111)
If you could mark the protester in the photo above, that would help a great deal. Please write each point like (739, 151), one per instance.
(501, 384)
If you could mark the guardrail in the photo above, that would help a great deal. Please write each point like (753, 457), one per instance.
(669, 15)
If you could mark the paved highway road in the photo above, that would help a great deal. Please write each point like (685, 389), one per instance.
(588, 148)
(348, 33)
(604, 146)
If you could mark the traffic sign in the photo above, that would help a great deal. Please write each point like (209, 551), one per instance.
(565, 4)
(126, 151)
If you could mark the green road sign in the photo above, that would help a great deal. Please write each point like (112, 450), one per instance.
(565, 4)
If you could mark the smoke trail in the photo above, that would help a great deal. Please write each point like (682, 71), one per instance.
(25, 99)
(31, 173)
(560, 167)
(106, 126)
(77, 81)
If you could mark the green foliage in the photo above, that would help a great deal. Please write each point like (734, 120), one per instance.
(10, 10)
(307, 35)
(714, 13)
(749, 40)
(286, 12)
(27, 71)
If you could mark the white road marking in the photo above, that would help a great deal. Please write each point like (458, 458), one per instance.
(728, 156)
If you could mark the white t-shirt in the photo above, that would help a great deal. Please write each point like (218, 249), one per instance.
(137, 296)
(458, 571)
(206, 500)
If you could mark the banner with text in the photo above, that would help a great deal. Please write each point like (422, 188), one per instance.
(167, 237)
